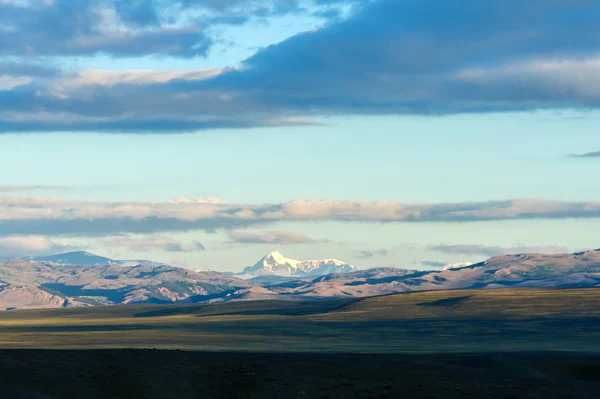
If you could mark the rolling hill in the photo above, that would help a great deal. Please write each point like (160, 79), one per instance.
(88, 285)
(524, 270)
(530, 319)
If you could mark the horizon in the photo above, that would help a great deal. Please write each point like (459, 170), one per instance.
(279, 254)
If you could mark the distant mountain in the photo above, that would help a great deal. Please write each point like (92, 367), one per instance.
(276, 264)
(30, 284)
(87, 258)
(272, 279)
(26, 284)
(524, 270)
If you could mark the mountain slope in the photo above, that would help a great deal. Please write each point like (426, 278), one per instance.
(109, 284)
(524, 270)
(274, 263)
(37, 284)
(29, 297)
(87, 258)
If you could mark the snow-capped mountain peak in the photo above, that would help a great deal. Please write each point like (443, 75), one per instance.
(274, 263)
(275, 258)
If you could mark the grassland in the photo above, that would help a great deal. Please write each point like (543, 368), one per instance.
(509, 320)
(521, 343)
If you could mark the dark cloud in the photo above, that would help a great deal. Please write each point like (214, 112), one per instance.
(371, 254)
(33, 69)
(271, 237)
(388, 57)
(476, 249)
(138, 12)
(430, 57)
(125, 28)
(595, 154)
(88, 27)
(152, 243)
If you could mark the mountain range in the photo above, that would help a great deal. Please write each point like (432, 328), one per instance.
(275, 264)
(34, 283)
(87, 258)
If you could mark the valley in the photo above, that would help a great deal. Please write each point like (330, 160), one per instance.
(437, 321)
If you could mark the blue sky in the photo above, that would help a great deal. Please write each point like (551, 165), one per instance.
(383, 133)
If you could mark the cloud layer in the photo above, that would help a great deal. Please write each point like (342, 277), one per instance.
(14, 188)
(476, 249)
(55, 216)
(270, 237)
(595, 154)
(129, 28)
(388, 57)
(153, 243)
(34, 245)
(371, 254)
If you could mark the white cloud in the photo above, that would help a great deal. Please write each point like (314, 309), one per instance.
(153, 243)
(34, 245)
(104, 77)
(457, 265)
(488, 250)
(271, 237)
(56, 216)
(10, 82)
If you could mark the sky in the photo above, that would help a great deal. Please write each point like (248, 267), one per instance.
(206, 133)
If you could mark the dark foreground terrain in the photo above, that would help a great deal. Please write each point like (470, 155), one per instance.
(509, 343)
(179, 374)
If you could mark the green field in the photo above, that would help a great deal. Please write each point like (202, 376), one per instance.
(425, 322)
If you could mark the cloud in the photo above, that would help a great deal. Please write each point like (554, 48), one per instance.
(433, 264)
(371, 254)
(55, 216)
(457, 265)
(391, 58)
(8, 188)
(24, 68)
(61, 28)
(476, 249)
(16, 246)
(153, 243)
(595, 154)
(270, 237)
(127, 28)
(445, 266)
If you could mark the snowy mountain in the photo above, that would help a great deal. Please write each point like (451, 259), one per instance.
(507, 271)
(81, 258)
(274, 263)
(83, 279)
